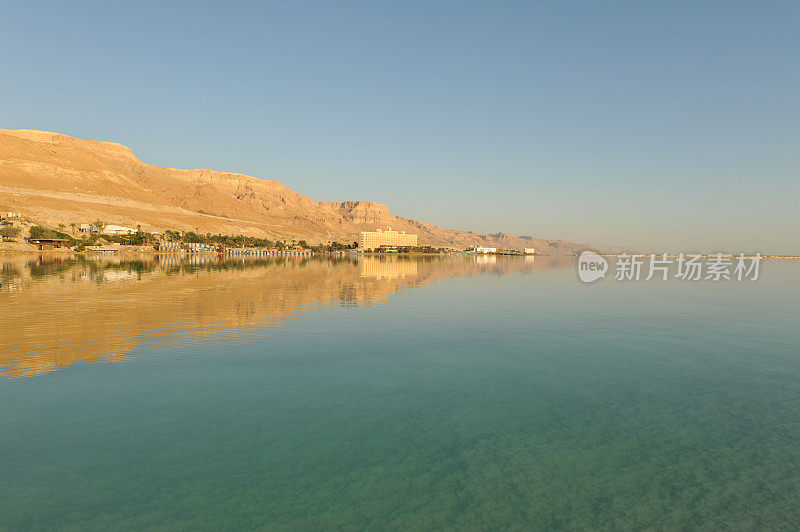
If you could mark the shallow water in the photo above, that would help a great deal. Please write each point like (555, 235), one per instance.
(425, 392)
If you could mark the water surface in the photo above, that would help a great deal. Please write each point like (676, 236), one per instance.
(420, 392)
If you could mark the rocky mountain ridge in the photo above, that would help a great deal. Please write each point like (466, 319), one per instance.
(58, 179)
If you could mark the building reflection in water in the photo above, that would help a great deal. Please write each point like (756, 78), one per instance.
(388, 268)
(62, 310)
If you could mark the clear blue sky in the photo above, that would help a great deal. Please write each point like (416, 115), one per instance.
(666, 125)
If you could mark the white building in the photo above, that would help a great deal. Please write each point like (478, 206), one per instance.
(479, 249)
(89, 228)
(530, 251)
(103, 249)
(117, 230)
(170, 247)
(197, 247)
(369, 240)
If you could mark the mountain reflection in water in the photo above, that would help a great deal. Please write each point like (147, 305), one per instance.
(61, 310)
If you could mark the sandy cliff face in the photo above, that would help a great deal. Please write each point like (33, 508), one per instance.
(54, 179)
(362, 212)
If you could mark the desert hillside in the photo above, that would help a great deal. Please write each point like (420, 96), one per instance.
(57, 179)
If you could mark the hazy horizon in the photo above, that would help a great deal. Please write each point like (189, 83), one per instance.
(671, 127)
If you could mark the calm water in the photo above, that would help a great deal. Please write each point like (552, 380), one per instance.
(416, 393)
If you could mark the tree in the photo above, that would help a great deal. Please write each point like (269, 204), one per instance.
(99, 224)
(37, 231)
(72, 225)
(8, 232)
(193, 238)
(61, 227)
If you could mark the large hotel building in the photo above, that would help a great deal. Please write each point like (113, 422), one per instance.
(370, 240)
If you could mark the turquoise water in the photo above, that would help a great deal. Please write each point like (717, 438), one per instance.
(446, 393)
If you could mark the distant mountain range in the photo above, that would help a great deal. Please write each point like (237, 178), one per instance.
(57, 179)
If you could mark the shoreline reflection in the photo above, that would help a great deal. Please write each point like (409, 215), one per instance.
(60, 311)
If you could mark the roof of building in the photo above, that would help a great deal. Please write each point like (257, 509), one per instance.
(46, 240)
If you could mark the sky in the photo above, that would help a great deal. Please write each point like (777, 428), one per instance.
(668, 126)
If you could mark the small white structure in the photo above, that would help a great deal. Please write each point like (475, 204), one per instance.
(479, 249)
(13, 215)
(89, 228)
(169, 247)
(117, 230)
(103, 249)
(530, 251)
(198, 248)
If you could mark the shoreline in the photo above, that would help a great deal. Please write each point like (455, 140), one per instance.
(237, 252)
